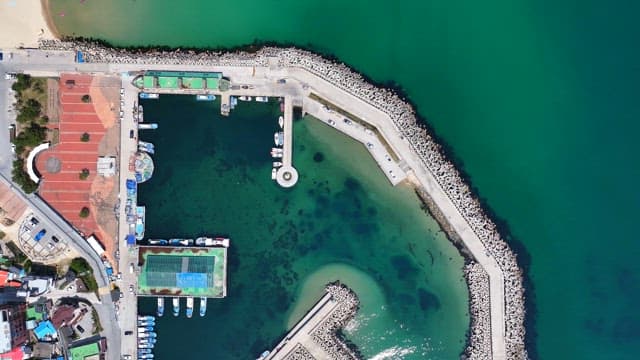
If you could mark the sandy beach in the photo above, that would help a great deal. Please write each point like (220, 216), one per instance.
(23, 23)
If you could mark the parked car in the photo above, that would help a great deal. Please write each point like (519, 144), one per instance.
(130, 134)
(39, 235)
(128, 333)
(34, 221)
(55, 239)
(80, 328)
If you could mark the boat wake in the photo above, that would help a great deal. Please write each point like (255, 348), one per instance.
(395, 352)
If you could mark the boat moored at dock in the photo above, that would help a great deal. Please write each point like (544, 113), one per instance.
(281, 121)
(205, 97)
(157, 242)
(151, 126)
(146, 95)
(146, 318)
(140, 220)
(160, 311)
(274, 173)
(244, 98)
(203, 306)
(189, 307)
(277, 164)
(207, 241)
(262, 98)
(278, 138)
(176, 306)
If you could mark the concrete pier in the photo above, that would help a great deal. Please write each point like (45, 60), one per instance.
(287, 175)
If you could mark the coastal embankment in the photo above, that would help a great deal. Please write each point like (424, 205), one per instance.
(493, 276)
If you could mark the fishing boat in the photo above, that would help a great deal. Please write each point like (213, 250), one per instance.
(244, 98)
(157, 242)
(278, 138)
(189, 307)
(186, 242)
(276, 154)
(144, 351)
(145, 356)
(274, 173)
(176, 306)
(207, 241)
(151, 126)
(147, 341)
(145, 329)
(146, 323)
(203, 306)
(140, 109)
(264, 355)
(277, 164)
(147, 335)
(262, 99)
(140, 219)
(160, 306)
(149, 150)
(205, 97)
(144, 95)
(147, 317)
(281, 121)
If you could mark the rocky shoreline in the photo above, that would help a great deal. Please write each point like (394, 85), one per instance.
(423, 144)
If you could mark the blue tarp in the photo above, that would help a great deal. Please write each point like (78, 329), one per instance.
(131, 184)
(43, 329)
(79, 57)
(131, 240)
(191, 280)
(109, 271)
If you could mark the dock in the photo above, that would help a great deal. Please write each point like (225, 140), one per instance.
(314, 336)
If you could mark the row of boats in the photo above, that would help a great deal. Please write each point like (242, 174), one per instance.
(175, 302)
(147, 337)
(201, 241)
(278, 151)
(257, 98)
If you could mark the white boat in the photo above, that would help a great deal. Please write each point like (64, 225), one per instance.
(176, 306)
(281, 121)
(147, 126)
(189, 307)
(276, 154)
(146, 318)
(203, 306)
(186, 242)
(264, 355)
(262, 99)
(244, 98)
(277, 164)
(278, 138)
(160, 306)
(274, 173)
(207, 241)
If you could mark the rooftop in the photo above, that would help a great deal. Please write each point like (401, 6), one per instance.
(182, 271)
(84, 351)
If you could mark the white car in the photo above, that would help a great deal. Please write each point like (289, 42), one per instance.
(331, 122)
(131, 288)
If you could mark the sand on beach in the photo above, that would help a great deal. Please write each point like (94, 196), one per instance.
(23, 23)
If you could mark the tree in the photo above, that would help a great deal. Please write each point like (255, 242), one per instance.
(85, 137)
(29, 110)
(23, 82)
(84, 212)
(21, 177)
(86, 98)
(84, 174)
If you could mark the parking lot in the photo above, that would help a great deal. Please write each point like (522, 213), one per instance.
(40, 243)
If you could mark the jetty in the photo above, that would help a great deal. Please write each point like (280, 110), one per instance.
(384, 122)
(314, 336)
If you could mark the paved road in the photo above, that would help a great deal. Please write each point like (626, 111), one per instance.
(52, 220)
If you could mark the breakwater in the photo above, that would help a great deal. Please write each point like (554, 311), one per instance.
(315, 336)
(421, 142)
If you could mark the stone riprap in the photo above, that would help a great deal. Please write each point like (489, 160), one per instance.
(423, 144)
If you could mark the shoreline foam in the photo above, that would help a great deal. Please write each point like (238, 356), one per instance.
(422, 144)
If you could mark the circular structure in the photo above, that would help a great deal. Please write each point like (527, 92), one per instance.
(53, 165)
(144, 167)
(287, 176)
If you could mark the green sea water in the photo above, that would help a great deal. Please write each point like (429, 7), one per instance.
(340, 222)
(536, 99)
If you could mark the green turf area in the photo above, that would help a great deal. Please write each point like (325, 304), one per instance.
(148, 82)
(168, 82)
(182, 271)
(212, 84)
(193, 83)
(84, 351)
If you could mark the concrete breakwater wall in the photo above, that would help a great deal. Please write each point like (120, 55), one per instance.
(421, 142)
